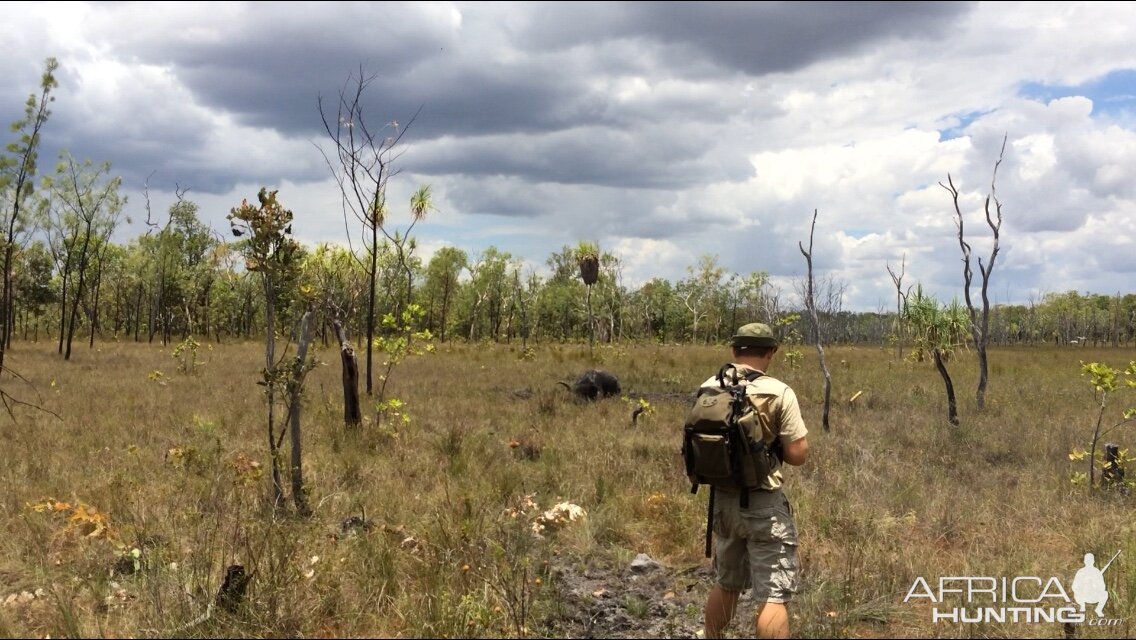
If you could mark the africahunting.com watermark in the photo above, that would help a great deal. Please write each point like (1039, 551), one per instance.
(1018, 599)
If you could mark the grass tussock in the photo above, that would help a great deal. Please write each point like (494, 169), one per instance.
(121, 517)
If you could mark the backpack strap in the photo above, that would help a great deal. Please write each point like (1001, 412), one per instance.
(710, 523)
(749, 377)
(727, 375)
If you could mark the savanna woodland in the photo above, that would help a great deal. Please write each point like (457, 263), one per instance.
(229, 433)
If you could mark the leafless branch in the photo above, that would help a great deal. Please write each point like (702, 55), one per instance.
(10, 402)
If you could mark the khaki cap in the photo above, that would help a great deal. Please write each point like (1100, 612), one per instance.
(754, 334)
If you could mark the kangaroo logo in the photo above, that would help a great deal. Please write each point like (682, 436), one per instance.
(1088, 584)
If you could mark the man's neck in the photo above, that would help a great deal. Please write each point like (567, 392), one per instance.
(754, 363)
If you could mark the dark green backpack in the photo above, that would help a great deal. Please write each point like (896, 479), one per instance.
(722, 442)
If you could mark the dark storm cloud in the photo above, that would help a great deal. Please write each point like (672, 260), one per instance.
(268, 68)
(578, 208)
(474, 99)
(513, 89)
(269, 62)
(22, 68)
(272, 69)
(651, 158)
(143, 134)
(757, 38)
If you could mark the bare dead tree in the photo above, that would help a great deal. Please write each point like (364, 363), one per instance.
(810, 306)
(363, 164)
(979, 326)
(900, 296)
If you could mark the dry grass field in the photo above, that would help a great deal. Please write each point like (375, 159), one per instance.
(119, 517)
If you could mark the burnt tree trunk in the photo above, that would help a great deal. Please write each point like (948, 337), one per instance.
(1113, 473)
(352, 414)
(952, 406)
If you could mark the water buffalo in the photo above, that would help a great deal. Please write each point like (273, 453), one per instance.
(594, 384)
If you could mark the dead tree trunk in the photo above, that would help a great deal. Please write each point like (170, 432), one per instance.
(810, 305)
(352, 414)
(952, 406)
(979, 328)
(897, 280)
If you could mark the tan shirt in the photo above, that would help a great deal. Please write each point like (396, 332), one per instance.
(778, 410)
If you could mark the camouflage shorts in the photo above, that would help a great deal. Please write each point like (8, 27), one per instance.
(756, 546)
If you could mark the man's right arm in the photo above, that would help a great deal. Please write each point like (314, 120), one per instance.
(794, 440)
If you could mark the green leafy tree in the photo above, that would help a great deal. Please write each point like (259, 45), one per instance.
(32, 283)
(101, 255)
(654, 308)
(525, 294)
(485, 294)
(86, 207)
(17, 169)
(557, 304)
(611, 297)
(701, 293)
(743, 300)
(117, 284)
(332, 279)
(236, 295)
(192, 246)
(442, 287)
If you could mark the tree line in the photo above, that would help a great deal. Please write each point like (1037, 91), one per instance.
(181, 279)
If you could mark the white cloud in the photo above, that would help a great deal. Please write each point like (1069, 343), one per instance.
(644, 259)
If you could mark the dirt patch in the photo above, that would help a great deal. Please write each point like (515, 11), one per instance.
(644, 599)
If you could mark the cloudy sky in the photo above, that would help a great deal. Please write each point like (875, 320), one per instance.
(663, 132)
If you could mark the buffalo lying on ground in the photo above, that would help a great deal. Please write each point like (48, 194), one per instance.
(594, 384)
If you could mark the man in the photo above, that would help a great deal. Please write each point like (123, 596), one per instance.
(756, 546)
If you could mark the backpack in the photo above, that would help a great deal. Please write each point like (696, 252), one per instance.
(723, 444)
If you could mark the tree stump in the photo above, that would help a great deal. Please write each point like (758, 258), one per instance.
(352, 414)
(1113, 474)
